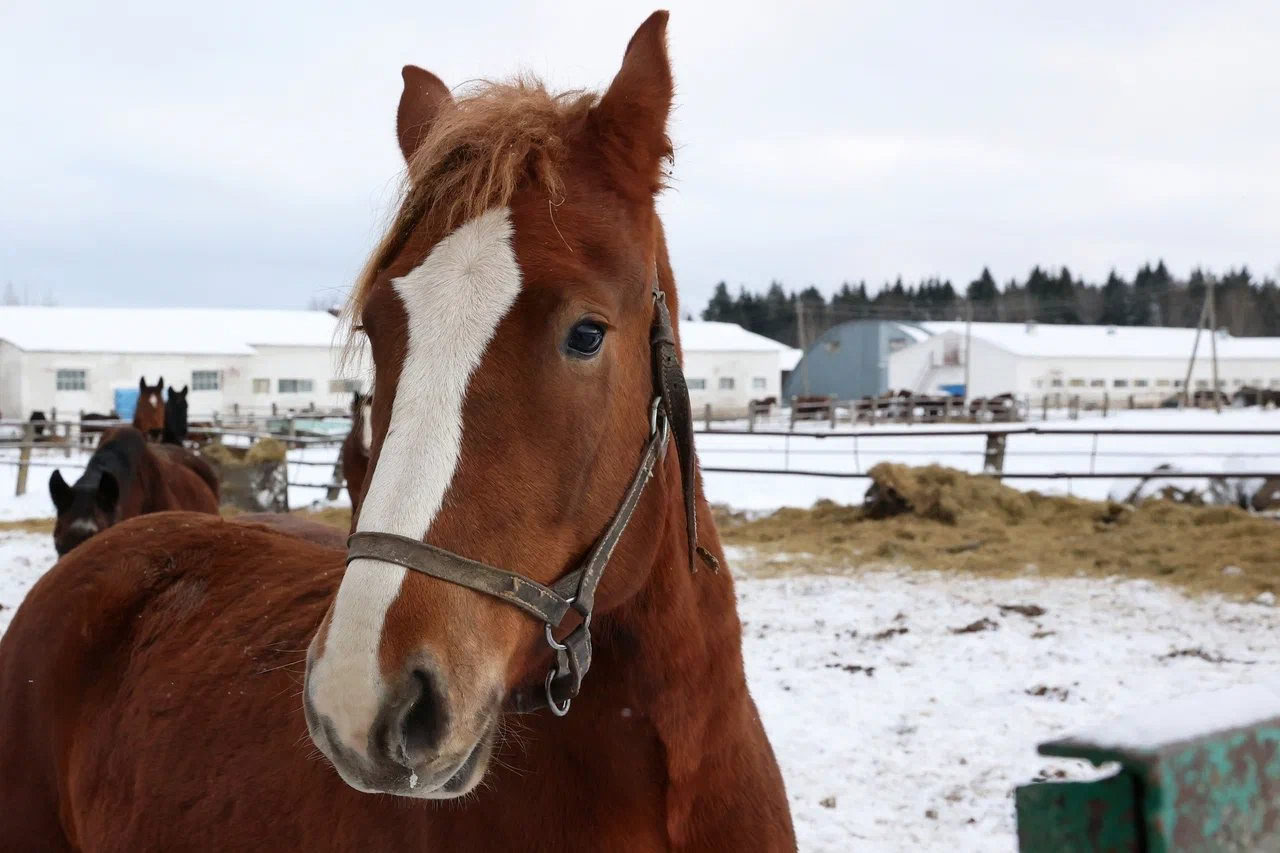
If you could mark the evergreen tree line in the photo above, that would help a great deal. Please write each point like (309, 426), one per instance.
(1245, 305)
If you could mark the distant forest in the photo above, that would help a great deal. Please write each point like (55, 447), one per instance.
(1245, 305)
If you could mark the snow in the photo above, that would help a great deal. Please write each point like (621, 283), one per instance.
(1065, 341)
(1185, 719)
(200, 331)
(712, 336)
(893, 731)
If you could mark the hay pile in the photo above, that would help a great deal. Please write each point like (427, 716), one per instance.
(939, 518)
(262, 450)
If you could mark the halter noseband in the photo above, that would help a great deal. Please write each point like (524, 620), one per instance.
(668, 413)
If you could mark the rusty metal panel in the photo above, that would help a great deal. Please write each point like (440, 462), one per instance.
(1176, 790)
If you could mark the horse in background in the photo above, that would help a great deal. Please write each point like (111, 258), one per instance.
(175, 416)
(125, 477)
(355, 449)
(148, 417)
(92, 428)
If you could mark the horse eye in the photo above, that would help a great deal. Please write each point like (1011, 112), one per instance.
(586, 338)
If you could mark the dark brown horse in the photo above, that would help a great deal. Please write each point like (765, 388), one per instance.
(148, 417)
(149, 684)
(128, 476)
(355, 449)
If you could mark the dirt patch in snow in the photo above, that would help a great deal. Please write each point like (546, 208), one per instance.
(939, 518)
(28, 525)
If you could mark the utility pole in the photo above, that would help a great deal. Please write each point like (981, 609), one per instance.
(1213, 340)
(1195, 347)
(968, 339)
(803, 337)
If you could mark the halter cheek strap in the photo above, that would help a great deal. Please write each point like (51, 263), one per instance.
(668, 413)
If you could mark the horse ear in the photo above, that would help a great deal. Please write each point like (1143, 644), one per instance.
(59, 491)
(160, 383)
(631, 118)
(142, 384)
(184, 390)
(108, 492)
(424, 93)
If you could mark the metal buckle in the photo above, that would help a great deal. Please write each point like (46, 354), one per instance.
(558, 710)
(658, 421)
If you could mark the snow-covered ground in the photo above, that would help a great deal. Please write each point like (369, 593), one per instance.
(896, 730)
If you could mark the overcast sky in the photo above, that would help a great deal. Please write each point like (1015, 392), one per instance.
(243, 154)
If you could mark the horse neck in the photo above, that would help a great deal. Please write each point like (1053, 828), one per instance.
(671, 655)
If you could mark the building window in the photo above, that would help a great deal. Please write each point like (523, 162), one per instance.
(1237, 382)
(343, 386)
(1202, 383)
(1160, 383)
(1119, 383)
(1140, 383)
(1097, 383)
(206, 380)
(1076, 383)
(1275, 383)
(1256, 383)
(262, 386)
(294, 386)
(1055, 382)
(726, 383)
(72, 380)
(697, 383)
(1177, 383)
(759, 383)
(1039, 383)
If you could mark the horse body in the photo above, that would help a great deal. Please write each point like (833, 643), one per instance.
(148, 416)
(126, 477)
(194, 634)
(355, 448)
(529, 423)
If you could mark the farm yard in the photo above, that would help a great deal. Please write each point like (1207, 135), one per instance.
(907, 664)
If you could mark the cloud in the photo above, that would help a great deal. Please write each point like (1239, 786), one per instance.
(245, 155)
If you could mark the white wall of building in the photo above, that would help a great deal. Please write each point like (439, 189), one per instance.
(730, 380)
(938, 360)
(28, 380)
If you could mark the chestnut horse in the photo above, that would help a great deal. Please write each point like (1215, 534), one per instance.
(527, 380)
(128, 476)
(355, 449)
(148, 417)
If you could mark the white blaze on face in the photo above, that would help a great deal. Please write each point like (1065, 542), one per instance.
(453, 301)
(155, 401)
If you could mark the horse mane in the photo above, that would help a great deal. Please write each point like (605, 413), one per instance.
(479, 150)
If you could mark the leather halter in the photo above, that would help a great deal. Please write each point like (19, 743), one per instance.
(668, 413)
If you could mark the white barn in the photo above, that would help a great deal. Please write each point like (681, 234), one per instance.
(1032, 359)
(73, 359)
(727, 367)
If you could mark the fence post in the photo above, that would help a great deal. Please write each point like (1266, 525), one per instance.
(993, 456)
(293, 432)
(66, 444)
(706, 416)
(336, 481)
(24, 457)
(235, 410)
(1044, 408)
(831, 402)
(751, 417)
(792, 425)
(1106, 402)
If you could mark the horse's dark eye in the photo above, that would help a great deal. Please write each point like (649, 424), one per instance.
(586, 338)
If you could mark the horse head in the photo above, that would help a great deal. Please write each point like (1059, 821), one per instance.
(509, 311)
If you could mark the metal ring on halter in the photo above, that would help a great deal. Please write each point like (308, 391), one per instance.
(551, 640)
(558, 710)
(655, 410)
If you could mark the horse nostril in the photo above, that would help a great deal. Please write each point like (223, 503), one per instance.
(423, 721)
